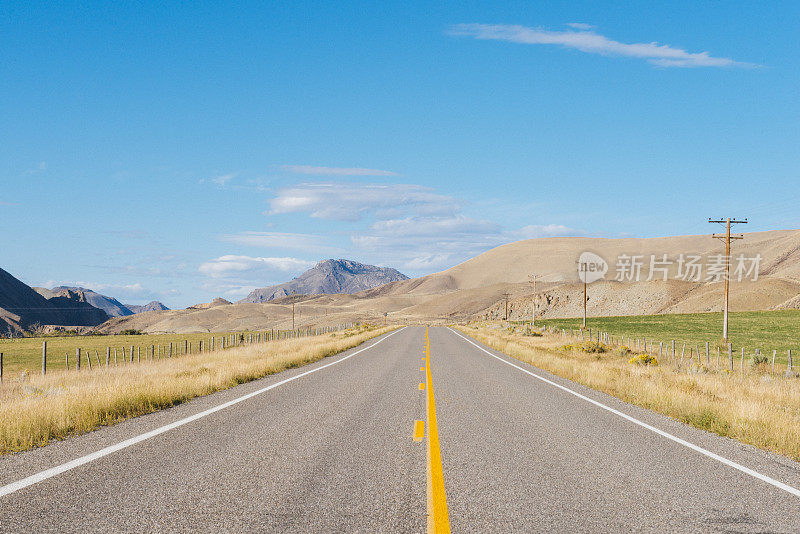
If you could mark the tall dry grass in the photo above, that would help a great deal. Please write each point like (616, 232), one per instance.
(754, 407)
(36, 410)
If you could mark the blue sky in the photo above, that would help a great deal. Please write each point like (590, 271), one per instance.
(180, 152)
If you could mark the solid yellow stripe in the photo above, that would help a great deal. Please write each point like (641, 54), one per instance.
(419, 430)
(421, 386)
(438, 518)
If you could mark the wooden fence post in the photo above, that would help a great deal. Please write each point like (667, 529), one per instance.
(730, 355)
(89, 359)
(97, 357)
(139, 355)
(789, 354)
(131, 353)
(66, 359)
(108, 356)
(78, 356)
(115, 356)
(1, 367)
(44, 358)
(708, 356)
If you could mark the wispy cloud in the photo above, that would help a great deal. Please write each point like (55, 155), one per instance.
(283, 240)
(583, 39)
(351, 202)
(580, 25)
(335, 171)
(534, 231)
(38, 169)
(246, 265)
(223, 179)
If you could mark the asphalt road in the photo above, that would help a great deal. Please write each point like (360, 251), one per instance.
(332, 451)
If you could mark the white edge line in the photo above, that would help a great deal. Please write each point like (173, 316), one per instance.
(717, 457)
(63, 468)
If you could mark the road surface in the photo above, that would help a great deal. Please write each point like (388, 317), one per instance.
(335, 447)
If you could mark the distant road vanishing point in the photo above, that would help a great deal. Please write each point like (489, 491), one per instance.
(415, 431)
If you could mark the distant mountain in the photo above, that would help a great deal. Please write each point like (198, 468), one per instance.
(110, 305)
(21, 307)
(330, 277)
(153, 306)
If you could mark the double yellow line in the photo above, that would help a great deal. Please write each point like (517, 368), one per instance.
(438, 518)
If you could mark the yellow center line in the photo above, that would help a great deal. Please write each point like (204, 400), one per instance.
(438, 518)
(421, 386)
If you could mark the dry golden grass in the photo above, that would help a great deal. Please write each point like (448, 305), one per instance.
(754, 407)
(38, 409)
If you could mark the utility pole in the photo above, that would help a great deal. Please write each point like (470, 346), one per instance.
(385, 314)
(582, 269)
(533, 278)
(506, 295)
(727, 237)
(293, 294)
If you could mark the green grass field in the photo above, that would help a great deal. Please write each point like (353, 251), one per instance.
(25, 354)
(767, 331)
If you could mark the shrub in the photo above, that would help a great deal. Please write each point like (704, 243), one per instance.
(131, 332)
(590, 347)
(643, 359)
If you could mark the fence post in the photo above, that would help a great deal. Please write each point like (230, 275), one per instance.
(44, 358)
(170, 349)
(708, 356)
(789, 353)
(115, 356)
(730, 355)
(774, 352)
(66, 359)
(139, 355)
(97, 357)
(1, 366)
(108, 356)
(78, 356)
(131, 353)
(89, 359)
(660, 349)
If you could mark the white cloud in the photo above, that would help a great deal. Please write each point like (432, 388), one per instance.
(39, 168)
(423, 244)
(225, 266)
(283, 240)
(594, 43)
(533, 231)
(580, 26)
(335, 171)
(223, 179)
(433, 226)
(351, 202)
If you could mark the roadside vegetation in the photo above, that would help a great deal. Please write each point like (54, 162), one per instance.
(25, 354)
(764, 330)
(35, 409)
(754, 406)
